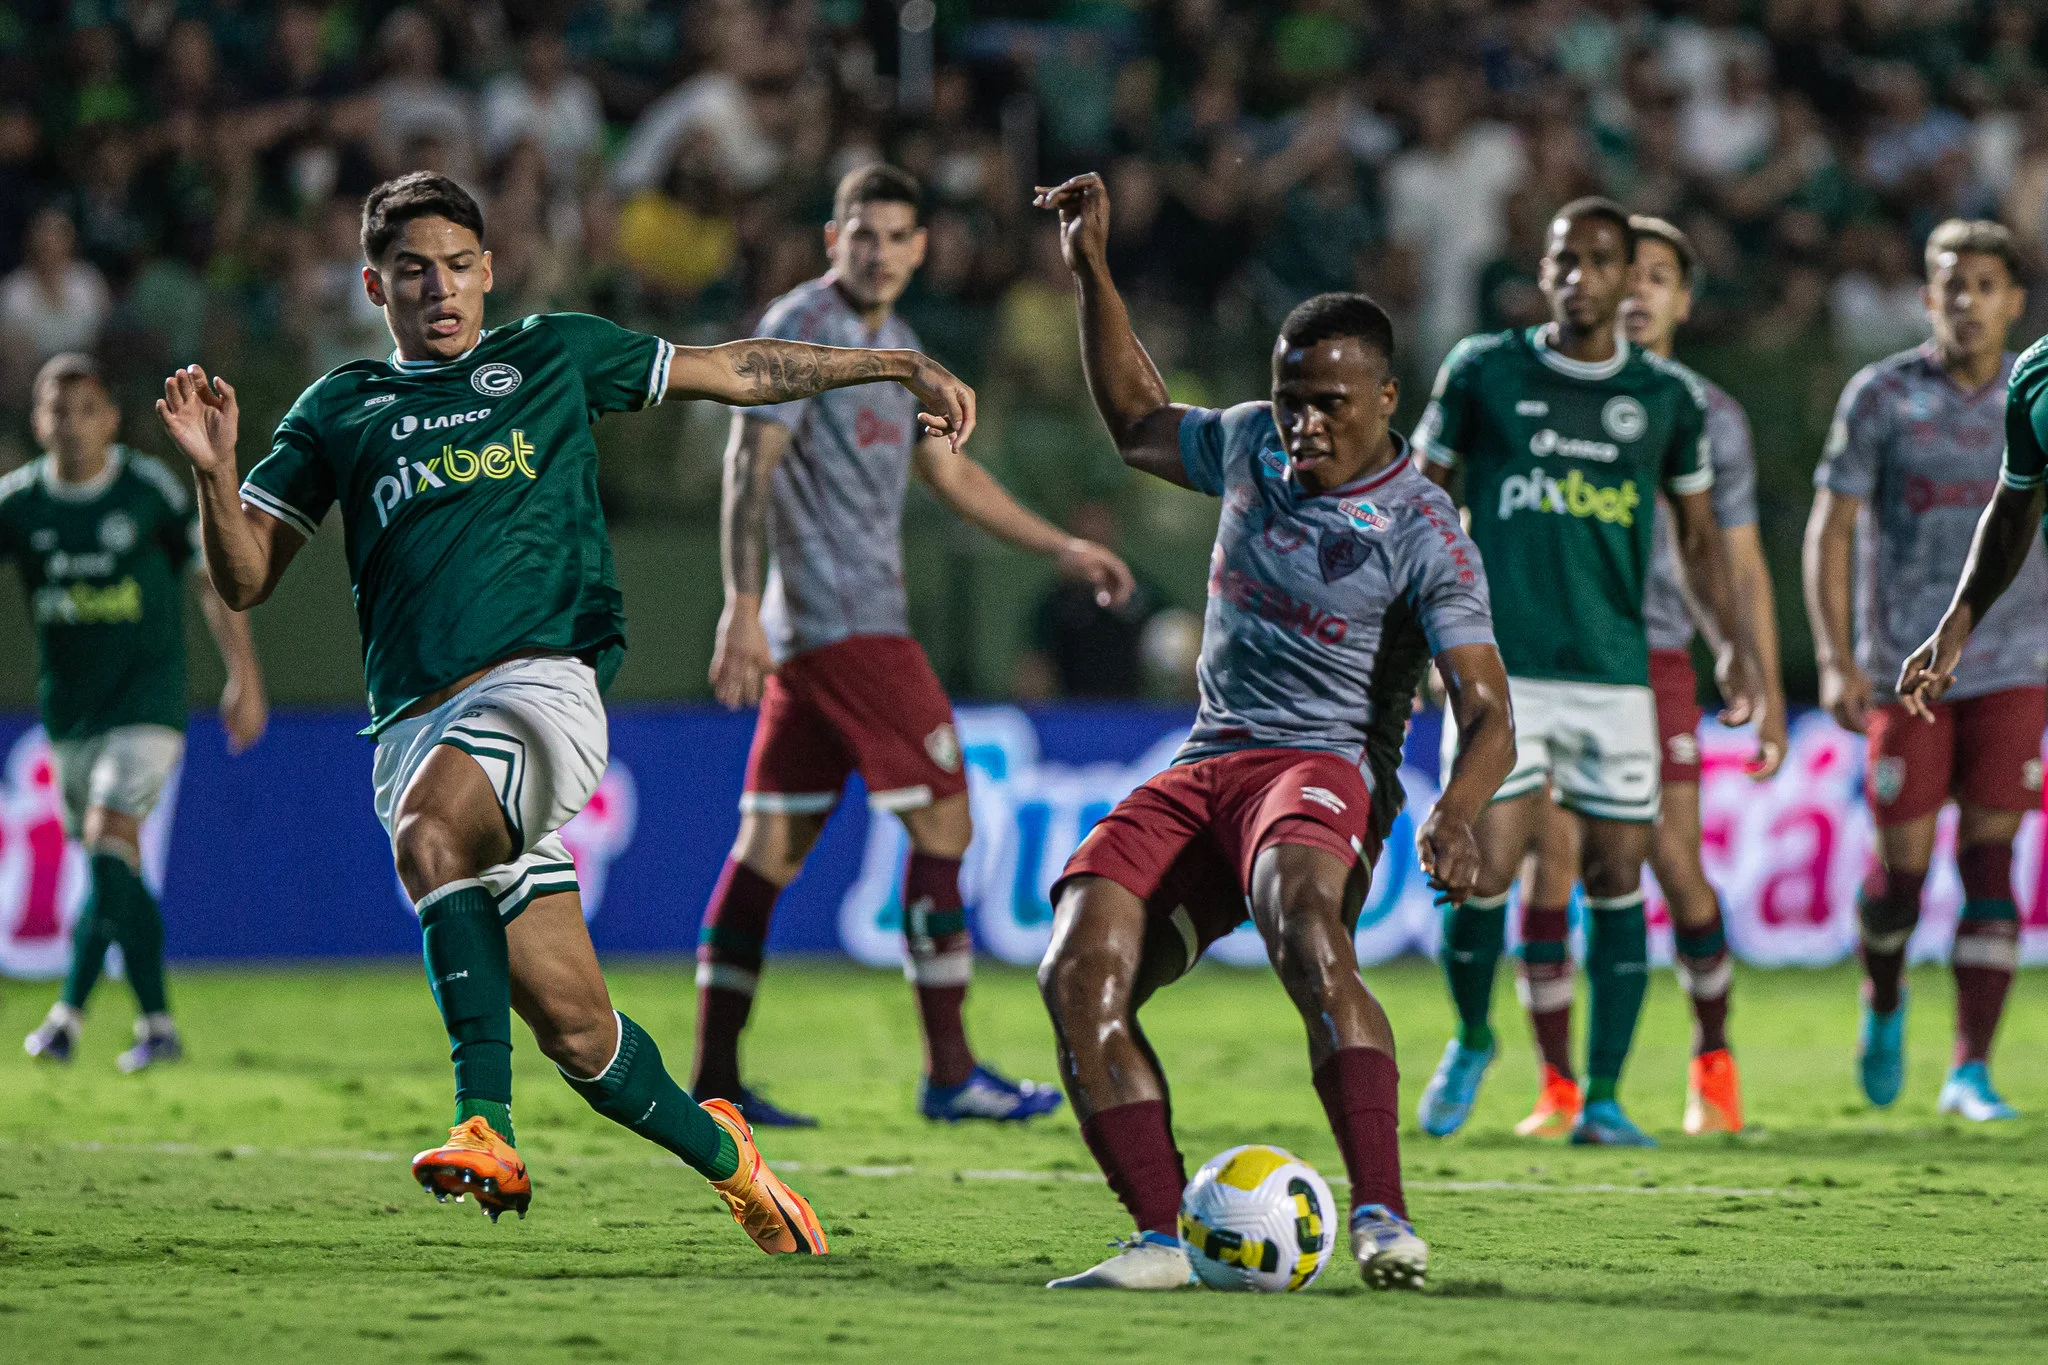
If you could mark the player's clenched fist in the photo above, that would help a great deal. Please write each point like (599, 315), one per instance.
(202, 417)
(1083, 206)
(1448, 853)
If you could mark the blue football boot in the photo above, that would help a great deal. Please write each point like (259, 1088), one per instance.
(56, 1037)
(1390, 1255)
(1602, 1124)
(1968, 1092)
(761, 1112)
(986, 1094)
(1881, 1053)
(1447, 1100)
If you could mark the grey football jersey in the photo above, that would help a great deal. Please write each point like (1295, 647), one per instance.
(1924, 457)
(1323, 610)
(1665, 618)
(836, 514)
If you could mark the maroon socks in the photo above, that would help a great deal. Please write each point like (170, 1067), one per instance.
(939, 962)
(1546, 982)
(1134, 1148)
(1886, 912)
(1987, 948)
(728, 970)
(1360, 1088)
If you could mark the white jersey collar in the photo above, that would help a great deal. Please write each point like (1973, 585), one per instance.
(91, 488)
(421, 366)
(1579, 369)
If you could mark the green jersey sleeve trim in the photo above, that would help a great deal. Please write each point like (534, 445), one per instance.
(2020, 481)
(657, 378)
(277, 507)
(1699, 481)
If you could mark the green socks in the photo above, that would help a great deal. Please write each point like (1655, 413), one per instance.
(119, 909)
(637, 1092)
(1474, 935)
(464, 944)
(1618, 968)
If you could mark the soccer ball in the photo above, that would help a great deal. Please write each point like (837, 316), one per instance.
(1257, 1218)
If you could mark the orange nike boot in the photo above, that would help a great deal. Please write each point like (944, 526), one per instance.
(475, 1160)
(1713, 1094)
(774, 1215)
(1557, 1107)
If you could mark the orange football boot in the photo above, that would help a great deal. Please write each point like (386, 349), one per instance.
(1713, 1094)
(774, 1215)
(475, 1160)
(1557, 1107)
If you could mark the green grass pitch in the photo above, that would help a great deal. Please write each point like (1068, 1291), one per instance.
(253, 1203)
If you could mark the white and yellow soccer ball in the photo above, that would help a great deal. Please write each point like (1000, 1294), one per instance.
(1258, 1218)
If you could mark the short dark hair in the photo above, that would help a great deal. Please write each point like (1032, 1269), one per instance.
(1647, 228)
(1327, 317)
(66, 367)
(877, 183)
(1606, 210)
(1974, 237)
(417, 194)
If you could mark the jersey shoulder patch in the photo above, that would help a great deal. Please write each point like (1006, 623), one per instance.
(169, 486)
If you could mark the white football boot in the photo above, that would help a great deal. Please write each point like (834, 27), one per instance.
(1150, 1260)
(1390, 1255)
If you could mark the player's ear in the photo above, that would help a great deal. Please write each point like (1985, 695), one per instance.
(1390, 395)
(1684, 310)
(373, 285)
(487, 272)
(918, 241)
(831, 238)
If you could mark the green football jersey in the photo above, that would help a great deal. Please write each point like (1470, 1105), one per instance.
(103, 565)
(1563, 462)
(468, 495)
(2026, 422)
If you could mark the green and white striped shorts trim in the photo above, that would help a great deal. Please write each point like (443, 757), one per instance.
(536, 727)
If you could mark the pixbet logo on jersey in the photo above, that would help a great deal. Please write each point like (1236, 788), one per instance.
(1574, 495)
(451, 466)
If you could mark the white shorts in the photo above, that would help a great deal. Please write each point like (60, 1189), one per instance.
(124, 769)
(537, 729)
(1595, 743)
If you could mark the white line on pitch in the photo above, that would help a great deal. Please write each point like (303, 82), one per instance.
(894, 1172)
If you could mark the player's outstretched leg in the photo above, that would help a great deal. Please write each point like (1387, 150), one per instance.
(1298, 903)
(1886, 914)
(1713, 1092)
(617, 1068)
(939, 961)
(1475, 933)
(1983, 960)
(1546, 987)
(1093, 979)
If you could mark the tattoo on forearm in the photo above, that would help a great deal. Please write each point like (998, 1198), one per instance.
(772, 371)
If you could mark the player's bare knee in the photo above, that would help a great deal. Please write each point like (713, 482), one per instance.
(432, 850)
(1609, 873)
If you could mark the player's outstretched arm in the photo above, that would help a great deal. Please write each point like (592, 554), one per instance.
(1128, 392)
(246, 550)
(1845, 691)
(244, 707)
(762, 370)
(740, 658)
(1476, 683)
(2005, 535)
(975, 496)
(1704, 562)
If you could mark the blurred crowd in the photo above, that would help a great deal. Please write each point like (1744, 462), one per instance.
(180, 178)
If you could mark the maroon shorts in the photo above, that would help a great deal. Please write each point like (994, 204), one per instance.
(1185, 841)
(1677, 689)
(868, 703)
(1983, 751)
